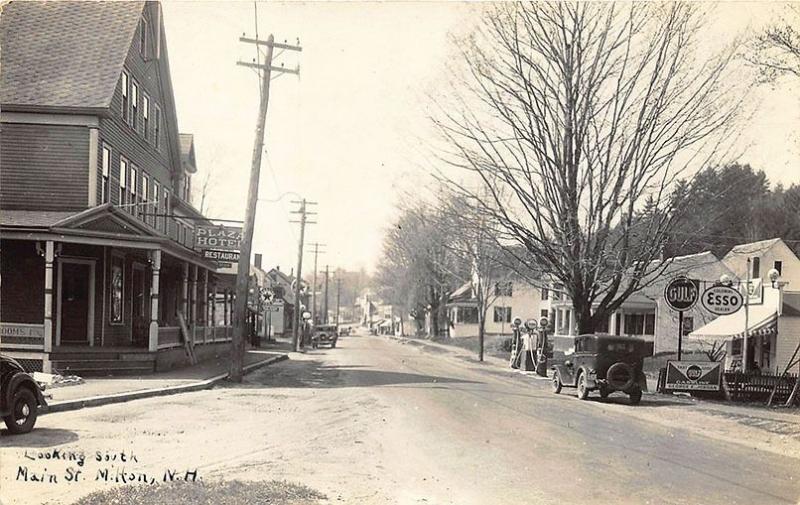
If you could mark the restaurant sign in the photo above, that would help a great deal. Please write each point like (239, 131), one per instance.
(693, 375)
(224, 256)
(221, 238)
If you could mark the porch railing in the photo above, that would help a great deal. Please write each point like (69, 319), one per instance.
(757, 387)
(170, 336)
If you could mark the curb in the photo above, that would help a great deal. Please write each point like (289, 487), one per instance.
(96, 401)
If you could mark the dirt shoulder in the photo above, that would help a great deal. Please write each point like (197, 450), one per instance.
(775, 429)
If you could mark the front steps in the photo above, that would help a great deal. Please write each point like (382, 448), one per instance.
(102, 362)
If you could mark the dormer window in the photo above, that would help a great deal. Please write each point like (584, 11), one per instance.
(125, 100)
(143, 38)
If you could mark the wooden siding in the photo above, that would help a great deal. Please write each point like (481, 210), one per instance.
(44, 167)
(22, 271)
(123, 139)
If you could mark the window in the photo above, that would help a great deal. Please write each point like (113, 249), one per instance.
(134, 181)
(123, 179)
(545, 294)
(156, 206)
(143, 38)
(105, 162)
(640, 324)
(544, 313)
(503, 289)
(468, 315)
(146, 116)
(125, 101)
(157, 127)
(778, 265)
(134, 105)
(145, 197)
(756, 267)
(502, 314)
(166, 211)
(117, 291)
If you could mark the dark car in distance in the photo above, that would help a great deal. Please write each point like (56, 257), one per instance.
(324, 334)
(604, 363)
(20, 396)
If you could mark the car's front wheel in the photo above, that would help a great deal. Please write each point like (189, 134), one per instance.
(556, 383)
(583, 389)
(24, 409)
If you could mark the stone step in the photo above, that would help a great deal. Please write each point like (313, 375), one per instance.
(95, 367)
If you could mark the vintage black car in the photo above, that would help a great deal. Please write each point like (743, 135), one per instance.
(606, 363)
(326, 334)
(20, 396)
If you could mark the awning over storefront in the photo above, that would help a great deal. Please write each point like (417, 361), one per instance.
(762, 320)
(385, 324)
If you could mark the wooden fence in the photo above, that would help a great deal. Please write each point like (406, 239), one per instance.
(756, 387)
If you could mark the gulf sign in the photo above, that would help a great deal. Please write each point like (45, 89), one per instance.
(221, 238)
(693, 375)
(722, 300)
(681, 293)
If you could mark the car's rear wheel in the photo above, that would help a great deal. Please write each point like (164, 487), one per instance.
(333, 344)
(583, 389)
(24, 409)
(556, 383)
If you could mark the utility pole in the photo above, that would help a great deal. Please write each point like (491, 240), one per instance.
(325, 301)
(298, 277)
(243, 271)
(338, 292)
(316, 246)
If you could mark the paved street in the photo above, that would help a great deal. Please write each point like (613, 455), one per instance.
(374, 421)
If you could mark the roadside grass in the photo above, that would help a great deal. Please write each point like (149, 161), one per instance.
(497, 346)
(207, 493)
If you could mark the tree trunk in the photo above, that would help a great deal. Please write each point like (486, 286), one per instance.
(584, 320)
(481, 333)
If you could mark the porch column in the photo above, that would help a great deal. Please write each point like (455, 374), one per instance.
(622, 322)
(185, 292)
(225, 315)
(205, 304)
(612, 323)
(572, 329)
(49, 256)
(155, 258)
(214, 311)
(193, 307)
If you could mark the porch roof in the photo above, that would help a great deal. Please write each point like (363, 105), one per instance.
(101, 225)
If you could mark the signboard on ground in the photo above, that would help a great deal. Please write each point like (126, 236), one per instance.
(722, 300)
(225, 256)
(693, 375)
(681, 293)
(272, 308)
(221, 238)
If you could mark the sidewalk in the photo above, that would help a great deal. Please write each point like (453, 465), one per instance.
(776, 430)
(101, 391)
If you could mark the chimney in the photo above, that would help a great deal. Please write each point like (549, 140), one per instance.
(258, 260)
(278, 268)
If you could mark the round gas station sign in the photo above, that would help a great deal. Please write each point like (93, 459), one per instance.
(681, 293)
(722, 300)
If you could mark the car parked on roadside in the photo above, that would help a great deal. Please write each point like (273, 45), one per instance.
(604, 363)
(20, 396)
(324, 334)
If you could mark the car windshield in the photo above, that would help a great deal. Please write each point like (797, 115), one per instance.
(326, 328)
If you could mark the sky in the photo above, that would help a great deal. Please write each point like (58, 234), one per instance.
(347, 132)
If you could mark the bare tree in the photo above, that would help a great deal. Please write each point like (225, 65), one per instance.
(577, 114)
(203, 191)
(776, 51)
(417, 270)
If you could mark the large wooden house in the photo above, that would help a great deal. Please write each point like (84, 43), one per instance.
(96, 223)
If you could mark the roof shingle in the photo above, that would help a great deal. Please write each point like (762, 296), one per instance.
(64, 54)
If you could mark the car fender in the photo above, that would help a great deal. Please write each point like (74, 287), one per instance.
(591, 379)
(564, 374)
(22, 380)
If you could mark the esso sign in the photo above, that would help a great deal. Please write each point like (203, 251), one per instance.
(681, 293)
(722, 300)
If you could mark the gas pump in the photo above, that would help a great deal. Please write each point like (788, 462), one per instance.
(516, 343)
(542, 348)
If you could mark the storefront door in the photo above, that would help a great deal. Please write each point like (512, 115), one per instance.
(75, 302)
